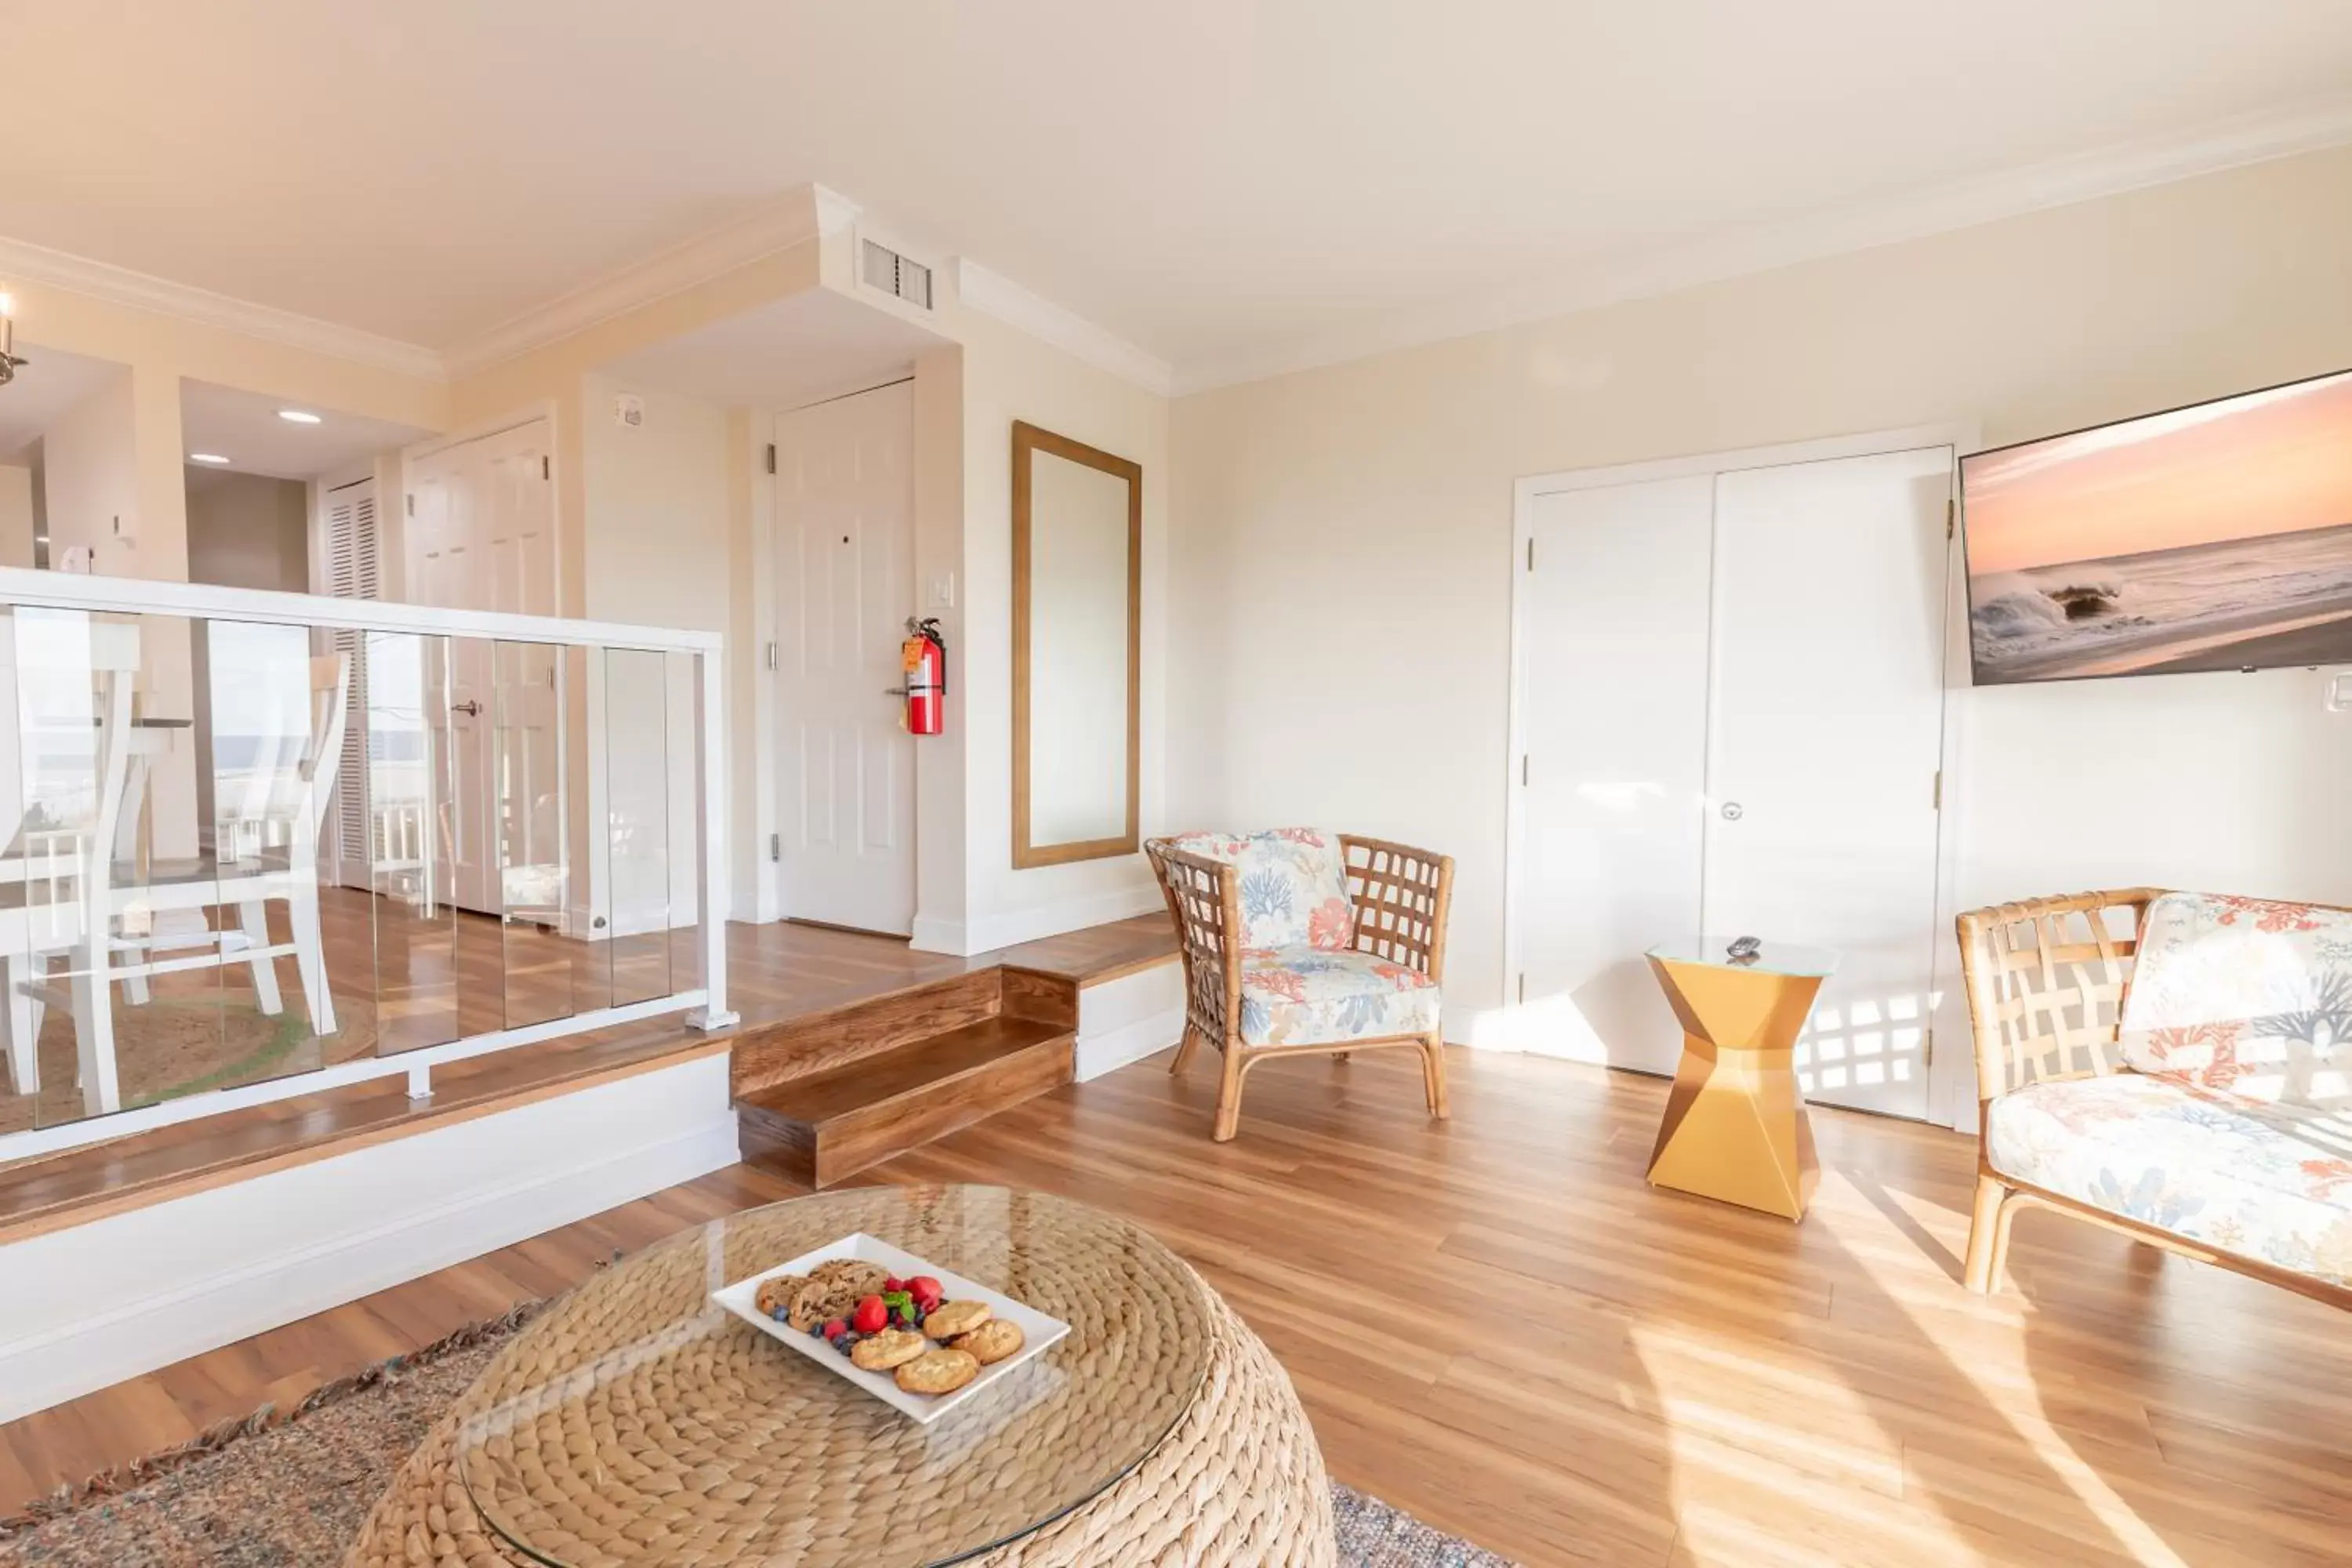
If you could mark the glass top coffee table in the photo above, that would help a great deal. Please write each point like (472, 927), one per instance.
(635, 1423)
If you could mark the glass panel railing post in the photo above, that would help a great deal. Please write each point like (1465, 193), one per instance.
(709, 839)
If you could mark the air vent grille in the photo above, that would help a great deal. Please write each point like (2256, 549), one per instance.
(896, 275)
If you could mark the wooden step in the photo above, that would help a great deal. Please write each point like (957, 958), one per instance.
(822, 1126)
(817, 1042)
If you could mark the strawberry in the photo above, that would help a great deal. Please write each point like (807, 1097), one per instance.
(836, 1328)
(893, 1283)
(872, 1316)
(926, 1291)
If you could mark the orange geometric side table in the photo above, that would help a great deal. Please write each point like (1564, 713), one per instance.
(1735, 1128)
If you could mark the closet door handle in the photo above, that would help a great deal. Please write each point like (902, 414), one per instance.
(1733, 811)
(470, 708)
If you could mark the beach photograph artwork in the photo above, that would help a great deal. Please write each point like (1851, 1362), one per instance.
(2216, 537)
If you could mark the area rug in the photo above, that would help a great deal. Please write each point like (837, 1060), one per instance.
(291, 1490)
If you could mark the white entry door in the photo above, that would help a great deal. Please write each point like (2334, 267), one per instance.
(846, 553)
(1825, 732)
(482, 537)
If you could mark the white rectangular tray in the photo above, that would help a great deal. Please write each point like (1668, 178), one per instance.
(1037, 1330)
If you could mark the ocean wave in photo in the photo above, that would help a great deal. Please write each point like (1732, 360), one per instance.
(2137, 612)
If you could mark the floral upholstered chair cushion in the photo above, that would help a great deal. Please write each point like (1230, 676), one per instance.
(1304, 996)
(1293, 885)
(2245, 996)
(2267, 1180)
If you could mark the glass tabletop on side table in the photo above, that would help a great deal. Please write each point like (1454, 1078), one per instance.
(1771, 957)
(636, 1422)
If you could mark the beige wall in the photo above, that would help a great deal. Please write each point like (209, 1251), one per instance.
(1008, 375)
(246, 531)
(1339, 554)
(16, 515)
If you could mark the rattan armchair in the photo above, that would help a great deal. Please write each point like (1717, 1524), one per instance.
(2046, 980)
(1399, 898)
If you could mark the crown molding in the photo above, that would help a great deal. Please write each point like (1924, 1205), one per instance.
(993, 294)
(1759, 247)
(142, 292)
(807, 213)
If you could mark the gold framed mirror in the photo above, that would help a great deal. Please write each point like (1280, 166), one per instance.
(1077, 650)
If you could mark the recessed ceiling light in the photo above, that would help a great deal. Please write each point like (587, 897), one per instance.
(296, 416)
(206, 458)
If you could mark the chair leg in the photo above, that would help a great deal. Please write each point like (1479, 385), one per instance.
(24, 1028)
(94, 1031)
(252, 920)
(1229, 1094)
(1432, 1074)
(311, 958)
(134, 984)
(1185, 1050)
(1988, 1237)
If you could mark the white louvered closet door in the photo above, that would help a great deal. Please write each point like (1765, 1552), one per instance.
(353, 572)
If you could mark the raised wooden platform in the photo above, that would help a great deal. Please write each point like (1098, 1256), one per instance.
(778, 975)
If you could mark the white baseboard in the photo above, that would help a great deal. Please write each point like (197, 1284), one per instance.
(98, 1303)
(930, 934)
(1125, 1020)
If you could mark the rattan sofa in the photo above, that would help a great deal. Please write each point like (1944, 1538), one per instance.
(2207, 1155)
(1301, 942)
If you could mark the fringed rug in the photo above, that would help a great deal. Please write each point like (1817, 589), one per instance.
(291, 1490)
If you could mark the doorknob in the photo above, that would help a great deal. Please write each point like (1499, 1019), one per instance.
(471, 710)
(1733, 811)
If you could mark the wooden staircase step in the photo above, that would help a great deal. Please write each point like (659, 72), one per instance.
(814, 1043)
(822, 1126)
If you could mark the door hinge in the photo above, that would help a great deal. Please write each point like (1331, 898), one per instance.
(1531, 555)
(1927, 1048)
(1951, 513)
(771, 456)
(546, 467)
(1940, 789)
(1523, 769)
(412, 503)
(775, 846)
(1523, 985)
(774, 658)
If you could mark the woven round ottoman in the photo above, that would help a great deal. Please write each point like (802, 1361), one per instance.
(633, 1422)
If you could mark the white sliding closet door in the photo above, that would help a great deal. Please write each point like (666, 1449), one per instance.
(1825, 732)
(1613, 706)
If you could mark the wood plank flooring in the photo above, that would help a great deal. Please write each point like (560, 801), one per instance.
(775, 972)
(1496, 1324)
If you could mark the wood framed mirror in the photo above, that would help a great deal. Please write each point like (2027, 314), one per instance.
(1077, 650)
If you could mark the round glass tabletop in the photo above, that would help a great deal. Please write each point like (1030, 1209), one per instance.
(636, 1422)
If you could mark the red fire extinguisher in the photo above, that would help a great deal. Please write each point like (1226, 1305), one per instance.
(925, 656)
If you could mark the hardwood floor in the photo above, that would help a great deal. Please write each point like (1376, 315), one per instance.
(776, 971)
(1496, 1324)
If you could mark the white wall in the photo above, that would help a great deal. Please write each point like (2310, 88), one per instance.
(1339, 556)
(1009, 376)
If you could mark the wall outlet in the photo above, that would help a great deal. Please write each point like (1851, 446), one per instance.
(629, 411)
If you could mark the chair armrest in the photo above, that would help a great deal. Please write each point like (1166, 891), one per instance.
(1205, 899)
(2045, 980)
(1400, 896)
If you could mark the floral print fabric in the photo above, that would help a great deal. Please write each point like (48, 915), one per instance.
(1294, 885)
(1304, 996)
(2265, 1181)
(2249, 997)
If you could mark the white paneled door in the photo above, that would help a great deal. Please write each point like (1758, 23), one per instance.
(1825, 731)
(1614, 705)
(481, 536)
(846, 551)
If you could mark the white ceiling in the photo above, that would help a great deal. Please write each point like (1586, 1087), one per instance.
(243, 427)
(47, 387)
(1221, 182)
(805, 346)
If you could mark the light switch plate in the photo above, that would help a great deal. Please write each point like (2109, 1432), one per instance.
(2339, 692)
(943, 591)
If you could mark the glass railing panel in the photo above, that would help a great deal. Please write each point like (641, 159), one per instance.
(683, 676)
(411, 825)
(636, 755)
(532, 802)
